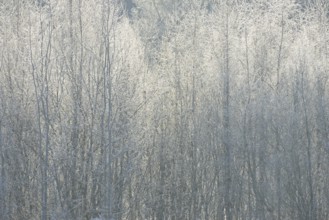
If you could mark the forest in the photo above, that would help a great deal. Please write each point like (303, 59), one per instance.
(164, 109)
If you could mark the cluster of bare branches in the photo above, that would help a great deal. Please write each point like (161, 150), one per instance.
(164, 109)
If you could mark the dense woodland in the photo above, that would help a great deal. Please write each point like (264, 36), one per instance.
(164, 109)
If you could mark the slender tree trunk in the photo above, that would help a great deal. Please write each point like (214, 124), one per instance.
(160, 213)
(2, 176)
(107, 71)
(312, 206)
(41, 86)
(278, 176)
(226, 126)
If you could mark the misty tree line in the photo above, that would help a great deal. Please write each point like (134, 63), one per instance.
(164, 109)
